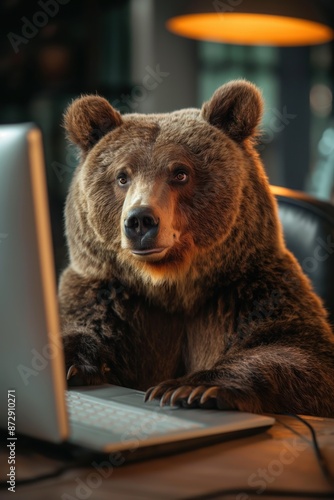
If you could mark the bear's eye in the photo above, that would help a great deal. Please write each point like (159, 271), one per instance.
(122, 179)
(180, 176)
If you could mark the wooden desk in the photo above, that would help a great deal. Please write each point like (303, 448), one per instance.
(283, 457)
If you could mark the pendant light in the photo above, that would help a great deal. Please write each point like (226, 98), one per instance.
(254, 22)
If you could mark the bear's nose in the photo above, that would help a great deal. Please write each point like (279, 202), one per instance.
(141, 222)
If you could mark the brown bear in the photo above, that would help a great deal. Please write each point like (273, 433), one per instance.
(179, 281)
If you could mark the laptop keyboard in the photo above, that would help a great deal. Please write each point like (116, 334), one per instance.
(117, 418)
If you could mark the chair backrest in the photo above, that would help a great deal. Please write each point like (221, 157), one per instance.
(308, 226)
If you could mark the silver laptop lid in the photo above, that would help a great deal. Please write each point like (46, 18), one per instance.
(31, 357)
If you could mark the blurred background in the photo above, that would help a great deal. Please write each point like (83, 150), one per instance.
(51, 51)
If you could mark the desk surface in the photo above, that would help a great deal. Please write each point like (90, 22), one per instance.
(282, 458)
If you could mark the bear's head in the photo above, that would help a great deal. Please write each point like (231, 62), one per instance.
(169, 197)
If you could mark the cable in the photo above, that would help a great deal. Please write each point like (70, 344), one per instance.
(281, 493)
(321, 459)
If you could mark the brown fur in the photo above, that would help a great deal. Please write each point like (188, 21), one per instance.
(225, 304)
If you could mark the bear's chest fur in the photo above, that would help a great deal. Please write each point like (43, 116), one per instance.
(156, 345)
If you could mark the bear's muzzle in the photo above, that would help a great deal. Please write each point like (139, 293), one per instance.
(141, 227)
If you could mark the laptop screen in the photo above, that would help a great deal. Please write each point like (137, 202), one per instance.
(31, 358)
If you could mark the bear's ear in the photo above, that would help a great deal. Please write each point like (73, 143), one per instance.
(236, 108)
(88, 119)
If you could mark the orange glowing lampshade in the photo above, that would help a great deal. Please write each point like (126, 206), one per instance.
(254, 23)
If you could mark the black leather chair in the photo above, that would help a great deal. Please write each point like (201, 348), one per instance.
(308, 226)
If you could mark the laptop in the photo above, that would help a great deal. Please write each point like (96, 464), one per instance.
(33, 387)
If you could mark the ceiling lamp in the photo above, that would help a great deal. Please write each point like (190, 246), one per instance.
(253, 22)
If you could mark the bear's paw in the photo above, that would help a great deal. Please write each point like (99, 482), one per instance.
(185, 393)
(84, 360)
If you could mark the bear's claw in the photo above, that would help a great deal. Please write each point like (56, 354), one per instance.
(152, 393)
(180, 393)
(71, 372)
(212, 392)
(196, 394)
(81, 375)
(187, 395)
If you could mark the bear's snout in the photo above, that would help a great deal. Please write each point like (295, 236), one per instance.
(141, 227)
